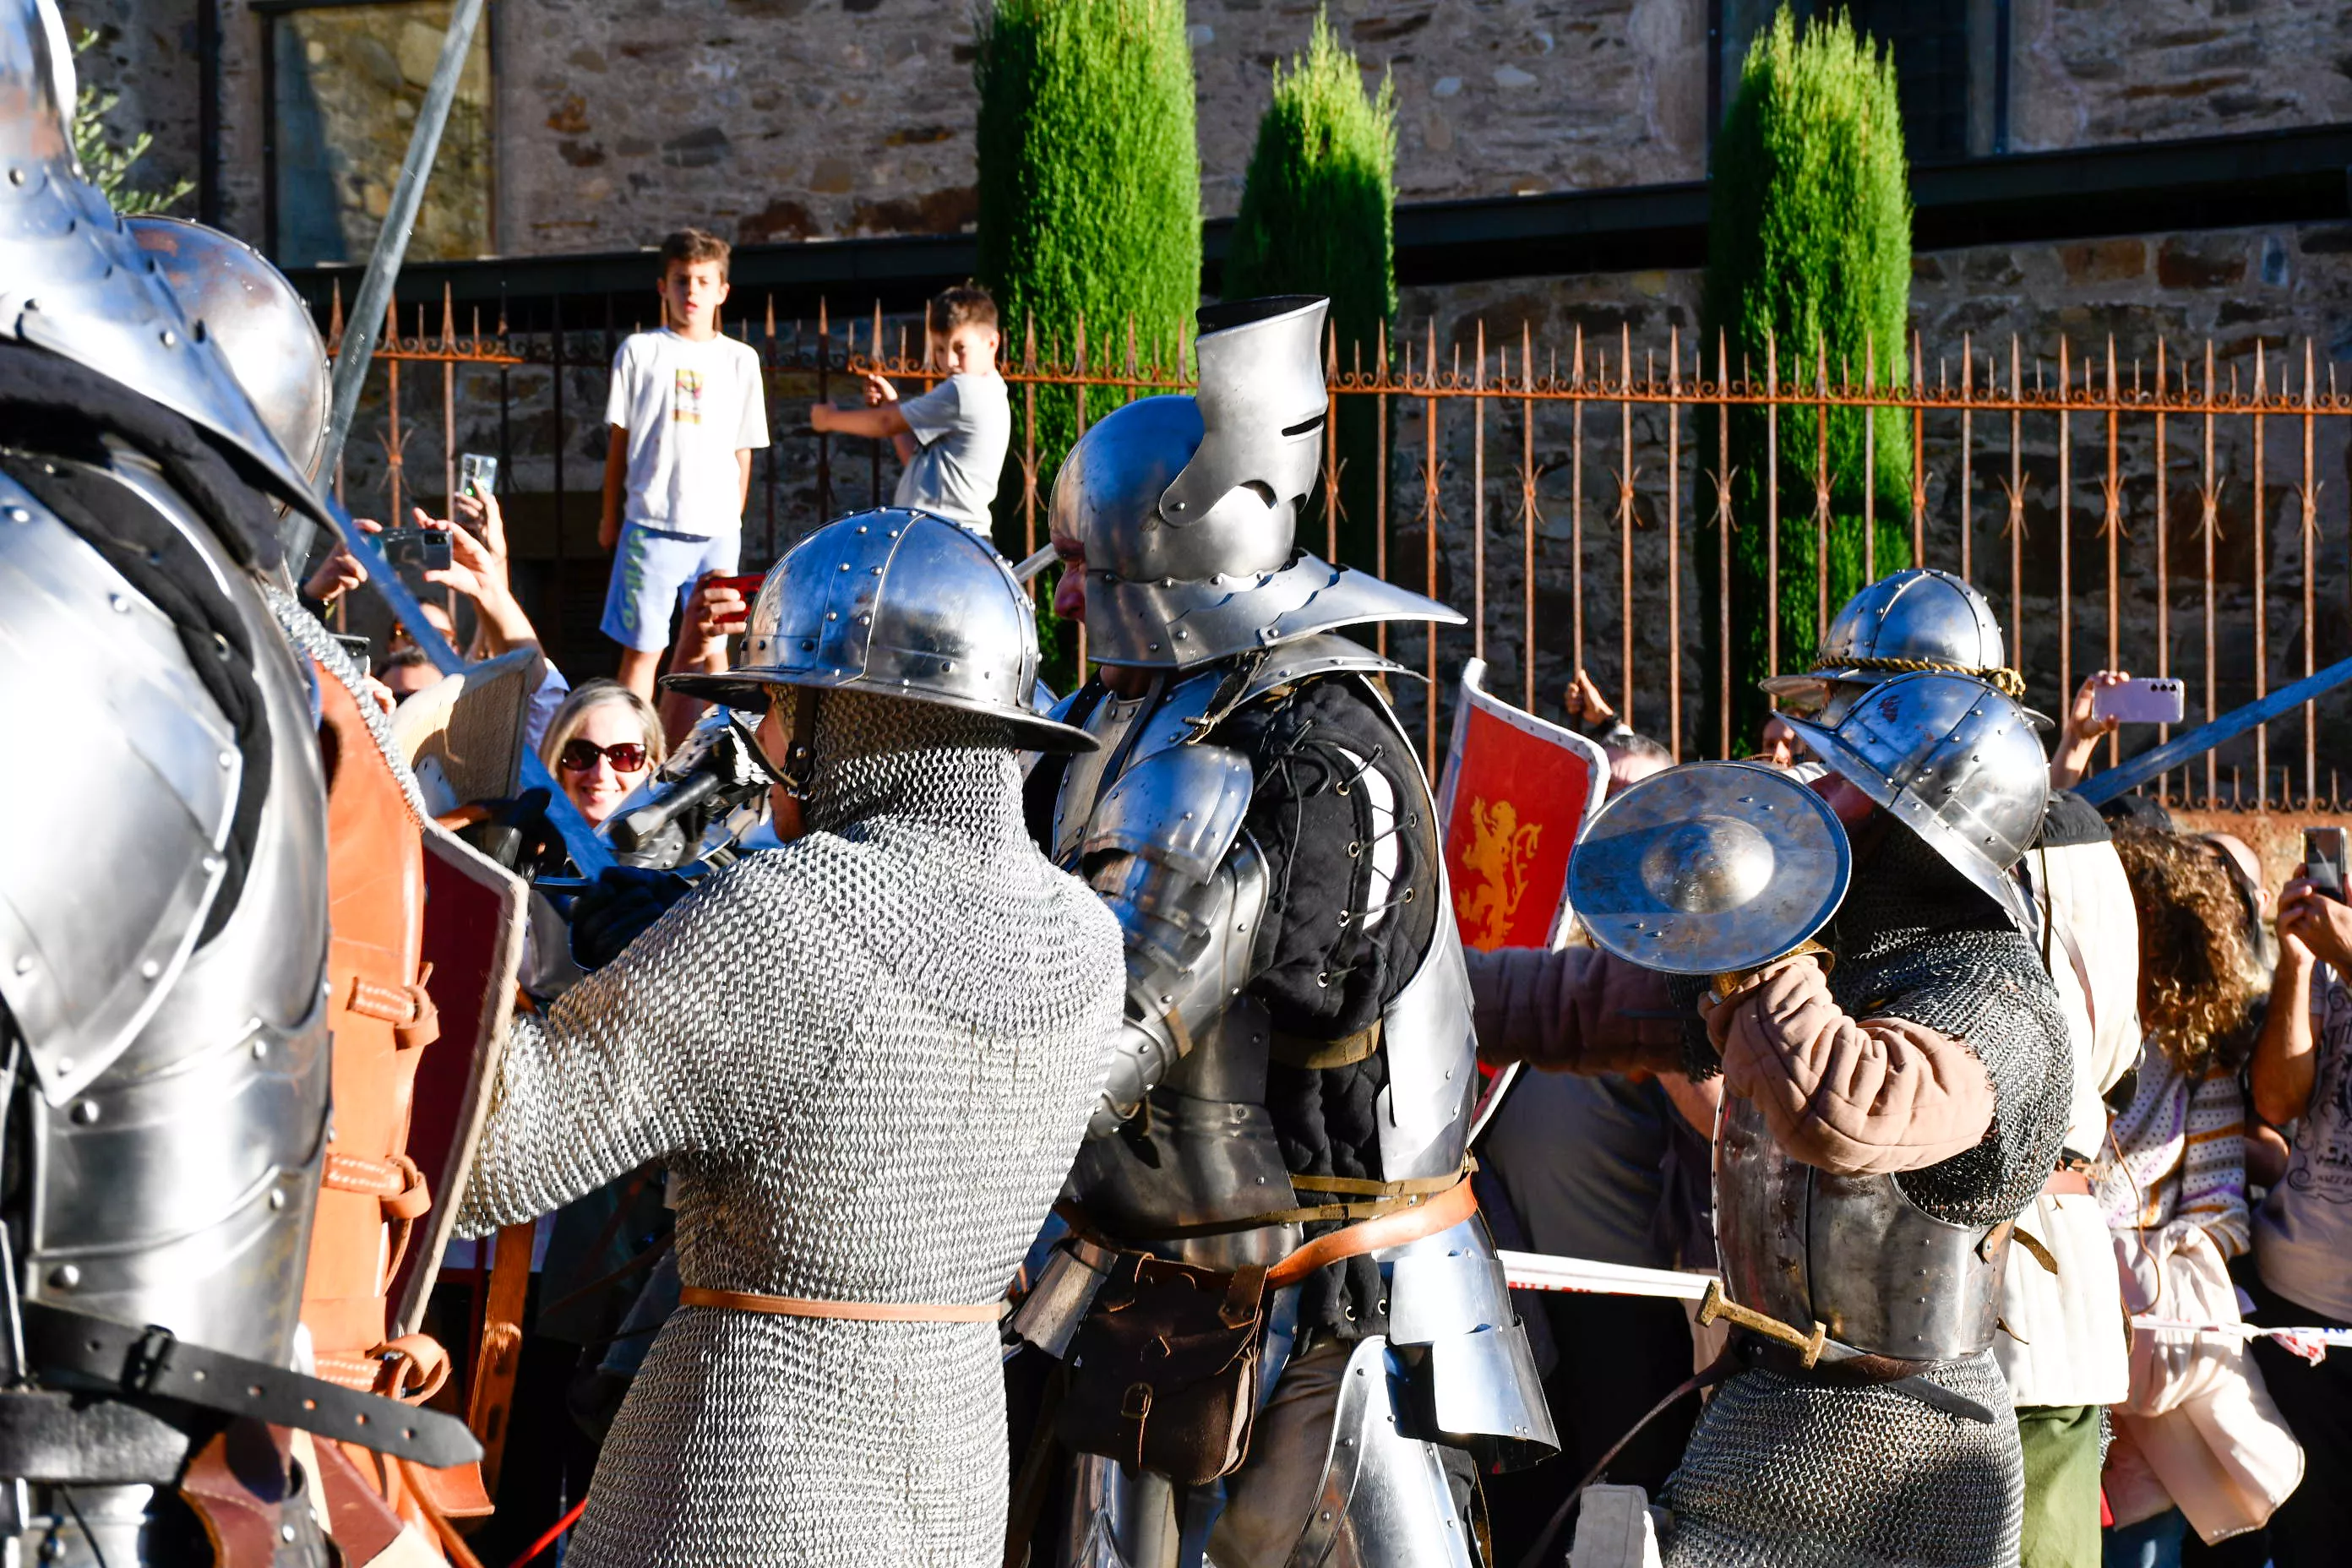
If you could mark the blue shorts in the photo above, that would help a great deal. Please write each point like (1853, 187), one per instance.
(653, 570)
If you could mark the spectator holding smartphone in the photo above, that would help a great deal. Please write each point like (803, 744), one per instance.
(688, 407)
(2302, 1075)
(953, 438)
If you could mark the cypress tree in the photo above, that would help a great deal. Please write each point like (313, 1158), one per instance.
(1317, 217)
(1809, 248)
(1089, 202)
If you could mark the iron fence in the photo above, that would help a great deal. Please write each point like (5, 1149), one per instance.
(2157, 512)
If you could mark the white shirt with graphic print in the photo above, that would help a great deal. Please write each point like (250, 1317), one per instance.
(688, 408)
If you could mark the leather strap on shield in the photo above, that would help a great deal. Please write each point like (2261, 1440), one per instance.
(500, 1356)
(371, 1195)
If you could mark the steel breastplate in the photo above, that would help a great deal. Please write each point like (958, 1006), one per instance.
(1852, 1253)
(176, 1187)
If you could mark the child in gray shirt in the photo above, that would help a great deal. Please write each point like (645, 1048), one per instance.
(953, 438)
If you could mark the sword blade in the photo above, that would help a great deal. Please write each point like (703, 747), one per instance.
(1543, 1271)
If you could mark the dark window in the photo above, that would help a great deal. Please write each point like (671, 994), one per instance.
(1930, 42)
(344, 82)
(1950, 65)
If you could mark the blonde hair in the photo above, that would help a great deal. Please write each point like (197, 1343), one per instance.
(590, 694)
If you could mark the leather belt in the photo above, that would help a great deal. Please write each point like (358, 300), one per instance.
(155, 1361)
(1422, 1215)
(861, 1311)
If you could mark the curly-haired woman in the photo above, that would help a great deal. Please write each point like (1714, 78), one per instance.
(2173, 1187)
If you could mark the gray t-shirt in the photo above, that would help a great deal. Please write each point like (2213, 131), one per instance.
(2302, 1236)
(962, 428)
(1583, 1159)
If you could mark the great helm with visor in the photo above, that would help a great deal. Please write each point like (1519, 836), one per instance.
(1915, 619)
(1955, 761)
(1187, 507)
(899, 604)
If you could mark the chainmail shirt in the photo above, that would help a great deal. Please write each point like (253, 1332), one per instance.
(1801, 1475)
(869, 1056)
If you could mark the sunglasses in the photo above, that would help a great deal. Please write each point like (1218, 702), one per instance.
(580, 755)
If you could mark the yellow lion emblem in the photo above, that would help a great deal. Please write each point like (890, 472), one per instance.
(1495, 872)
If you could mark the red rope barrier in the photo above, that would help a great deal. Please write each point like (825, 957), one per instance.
(553, 1534)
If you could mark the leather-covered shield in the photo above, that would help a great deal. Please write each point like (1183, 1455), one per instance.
(474, 919)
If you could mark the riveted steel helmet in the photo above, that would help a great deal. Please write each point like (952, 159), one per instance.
(899, 603)
(73, 281)
(1909, 620)
(1187, 507)
(234, 297)
(1954, 761)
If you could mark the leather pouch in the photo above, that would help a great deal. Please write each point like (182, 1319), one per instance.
(1163, 1372)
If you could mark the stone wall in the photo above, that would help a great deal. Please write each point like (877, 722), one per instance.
(785, 119)
(2088, 71)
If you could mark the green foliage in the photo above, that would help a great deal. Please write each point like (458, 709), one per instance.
(105, 166)
(1809, 251)
(1090, 192)
(1317, 217)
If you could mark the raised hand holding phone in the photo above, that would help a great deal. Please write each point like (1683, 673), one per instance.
(2150, 699)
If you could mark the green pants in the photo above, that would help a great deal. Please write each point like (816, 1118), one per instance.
(2062, 1485)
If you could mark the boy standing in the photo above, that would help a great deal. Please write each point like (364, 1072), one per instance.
(687, 407)
(953, 438)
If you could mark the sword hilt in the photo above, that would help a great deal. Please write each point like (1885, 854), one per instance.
(1738, 979)
(1716, 1304)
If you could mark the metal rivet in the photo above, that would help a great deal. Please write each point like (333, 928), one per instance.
(64, 1277)
(24, 963)
(18, 514)
(85, 1112)
(118, 603)
(228, 759)
(285, 1533)
(260, 1050)
(171, 338)
(150, 969)
(65, 1066)
(277, 1198)
(15, 176)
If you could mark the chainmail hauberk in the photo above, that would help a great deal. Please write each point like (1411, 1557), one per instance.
(869, 1058)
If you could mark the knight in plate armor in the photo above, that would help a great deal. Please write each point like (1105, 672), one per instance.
(1883, 1127)
(164, 967)
(1286, 1119)
(866, 1059)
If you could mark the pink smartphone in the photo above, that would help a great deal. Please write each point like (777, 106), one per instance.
(2148, 701)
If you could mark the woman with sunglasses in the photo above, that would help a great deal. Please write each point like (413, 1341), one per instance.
(599, 744)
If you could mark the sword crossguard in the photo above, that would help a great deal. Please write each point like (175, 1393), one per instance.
(1716, 1304)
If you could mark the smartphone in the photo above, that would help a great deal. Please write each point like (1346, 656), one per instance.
(748, 584)
(476, 475)
(409, 548)
(2148, 701)
(2322, 860)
